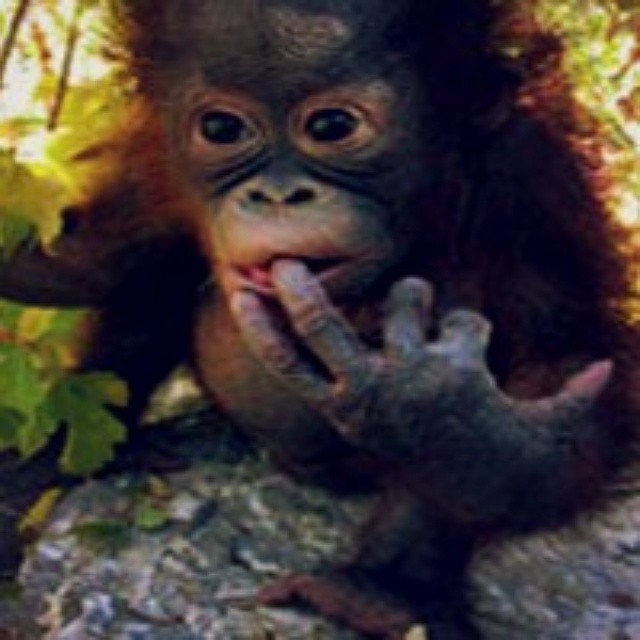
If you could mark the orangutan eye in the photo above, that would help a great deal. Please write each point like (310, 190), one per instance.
(331, 125)
(224, 127)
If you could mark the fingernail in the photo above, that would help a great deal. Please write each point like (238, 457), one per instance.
(597, 376)
(290, 272)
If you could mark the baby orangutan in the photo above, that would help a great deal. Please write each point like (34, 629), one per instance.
(388, 268)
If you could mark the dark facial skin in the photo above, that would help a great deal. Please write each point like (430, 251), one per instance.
(306, 168)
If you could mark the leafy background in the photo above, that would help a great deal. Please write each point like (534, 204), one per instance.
(60, 92)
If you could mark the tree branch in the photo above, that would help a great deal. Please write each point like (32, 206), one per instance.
(67, 63)
(12, 35)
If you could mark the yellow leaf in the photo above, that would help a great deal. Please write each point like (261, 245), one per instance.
(117, 393)
(40, 511)
(114, 391)
(39, 199)
(34, 323)
(67, 355)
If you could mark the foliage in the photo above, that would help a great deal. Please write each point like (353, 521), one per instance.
(603, 60)
(42, 100)
(38, 394)
(55, 75)
(38, 514)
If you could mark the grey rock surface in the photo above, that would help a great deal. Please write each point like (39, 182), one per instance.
(579, 583)
(180, 556)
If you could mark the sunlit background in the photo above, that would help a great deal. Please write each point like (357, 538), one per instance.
(48, 48)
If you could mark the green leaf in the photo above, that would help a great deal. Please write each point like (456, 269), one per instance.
(79, 402)
(10, 313)
(107, 388)
(90, 442)
(103, 536)
(15, 229)
(10, 422)
(64, 324)
(35, 432)
(21, 387)
(149, 517)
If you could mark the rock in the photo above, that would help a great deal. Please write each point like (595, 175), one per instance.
(579, 583)
(181, 556)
